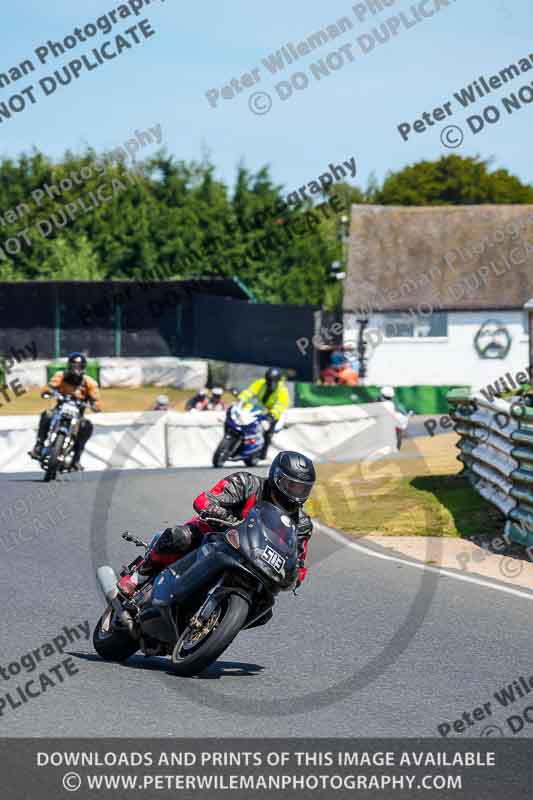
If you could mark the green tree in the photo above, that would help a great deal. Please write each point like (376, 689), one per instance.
(69, 261)
(452, 180)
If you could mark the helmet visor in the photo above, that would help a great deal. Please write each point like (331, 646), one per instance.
(296, 490)
(75, 367)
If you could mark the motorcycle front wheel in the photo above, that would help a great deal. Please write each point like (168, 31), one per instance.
(197, 649)
(53, 457)
(223, 451)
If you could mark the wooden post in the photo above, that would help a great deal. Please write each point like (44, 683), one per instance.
(529, 309)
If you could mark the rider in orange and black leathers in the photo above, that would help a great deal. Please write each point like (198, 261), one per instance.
(71, 381)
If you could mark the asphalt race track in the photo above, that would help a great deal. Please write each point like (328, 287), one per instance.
(370, 647)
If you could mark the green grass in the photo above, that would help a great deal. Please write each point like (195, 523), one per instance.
(115, 399)
(444, 505)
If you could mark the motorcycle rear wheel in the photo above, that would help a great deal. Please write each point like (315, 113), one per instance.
(55, 452)
(191, 657)
(113, 644)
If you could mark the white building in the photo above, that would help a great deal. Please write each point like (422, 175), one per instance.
(443, 289)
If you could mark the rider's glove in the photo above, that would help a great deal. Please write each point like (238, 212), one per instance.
(218, 513)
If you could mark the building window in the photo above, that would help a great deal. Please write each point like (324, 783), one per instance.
(398, 326)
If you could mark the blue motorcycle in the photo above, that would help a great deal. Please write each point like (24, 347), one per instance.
(244, 435)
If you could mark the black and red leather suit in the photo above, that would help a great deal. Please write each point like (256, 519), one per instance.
(229, 500)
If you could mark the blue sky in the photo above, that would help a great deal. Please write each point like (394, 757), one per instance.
(200, 46)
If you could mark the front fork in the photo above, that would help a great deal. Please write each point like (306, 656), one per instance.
(209, 606)
(237, 439)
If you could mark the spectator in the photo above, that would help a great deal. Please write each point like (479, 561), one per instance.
(162, 403)
(347, 375)
(199, 402)
(216, 403)
(329, 376)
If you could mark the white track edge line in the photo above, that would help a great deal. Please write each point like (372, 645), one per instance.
(333, 534)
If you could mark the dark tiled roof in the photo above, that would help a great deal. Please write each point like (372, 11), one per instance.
(453, 257)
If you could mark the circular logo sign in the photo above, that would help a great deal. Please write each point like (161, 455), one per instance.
(492, 340)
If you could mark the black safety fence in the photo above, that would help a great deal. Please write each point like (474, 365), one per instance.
(148, 319)
(253, 333)
(28, 312)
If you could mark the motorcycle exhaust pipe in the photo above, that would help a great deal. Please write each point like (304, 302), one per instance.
(107, 580)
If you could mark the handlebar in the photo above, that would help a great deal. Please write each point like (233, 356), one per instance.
(55, 395)
(227, 523)
(138, 542)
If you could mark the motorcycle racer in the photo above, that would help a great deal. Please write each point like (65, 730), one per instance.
(290, 481)
(272, 392)
(71, 381)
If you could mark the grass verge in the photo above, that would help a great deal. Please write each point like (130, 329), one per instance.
(417, 493)
(115, 399)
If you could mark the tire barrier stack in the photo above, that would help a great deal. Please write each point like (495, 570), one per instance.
(496, 450)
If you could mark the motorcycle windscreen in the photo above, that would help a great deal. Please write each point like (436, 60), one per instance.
(269, 539)
(276, 526)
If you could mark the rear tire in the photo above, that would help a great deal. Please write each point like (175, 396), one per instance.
(55, 452)
(117, 645)
(252, 462)
(234, 614)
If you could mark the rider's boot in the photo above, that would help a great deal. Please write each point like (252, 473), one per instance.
(76, 456)
(131, 583)
(37, 450)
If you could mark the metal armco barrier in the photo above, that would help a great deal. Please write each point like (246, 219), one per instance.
(496, 449)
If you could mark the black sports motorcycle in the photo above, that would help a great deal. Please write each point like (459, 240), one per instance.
(58, 449)
(194, 609)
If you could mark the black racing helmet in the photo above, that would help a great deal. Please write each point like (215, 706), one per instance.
(291, 477)
(76, 365)
(272, 377)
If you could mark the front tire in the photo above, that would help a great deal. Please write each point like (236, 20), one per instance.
(112, 644)
(53, 458)
(220, 455)
(224, 451)
(189, 659)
